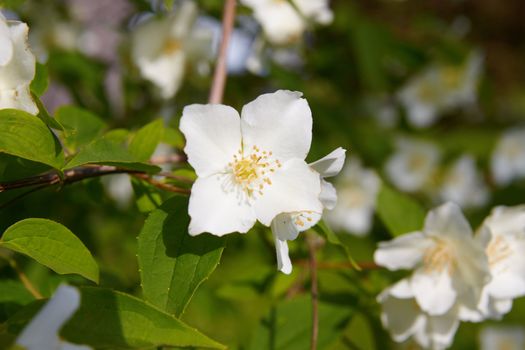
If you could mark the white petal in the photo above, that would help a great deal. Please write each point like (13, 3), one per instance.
(216, 208)
(284, 264)
(443, 329)
(280, 21)
(447, 220)
(5, 42)
(402, 290)
(18, 98)
(20, 70)
(317, 10)
(213, 136)
(507, 284)
(283, 227)
(280, 122)
(400, 316)
(403, 252)
(328, 195)
(166, 72)
(42, 331)
(295, 188)
(331, 164)
(433, 291)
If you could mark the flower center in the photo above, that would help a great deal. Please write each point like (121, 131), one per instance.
(498, 250)
(438, 258)
(171, 46)
(252, 171)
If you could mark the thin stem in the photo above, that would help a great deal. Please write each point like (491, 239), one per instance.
(312, 248)
(23, 278)
(219, 76)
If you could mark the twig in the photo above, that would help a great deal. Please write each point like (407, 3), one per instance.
(219, 76)
(161, 185)
(312, 248)
(23, 278)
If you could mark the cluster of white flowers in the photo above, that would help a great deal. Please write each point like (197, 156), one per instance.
(440, 88)
(42, 332)
(253, 168)
(415, 167)
(457, 276)
(284, 21)
(17, 67)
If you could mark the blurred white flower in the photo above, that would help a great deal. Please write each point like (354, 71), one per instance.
(43, 330)
(440, 88)
(413, 164)
(17, 67)
(249, 168)
(162, 47)
(502, 234)
(404, 319)
(463, 184)
(508, 159)
(119, 188)
(451, 268)
(284, 22)
(502, 338)
(287, 226)
(357, 188)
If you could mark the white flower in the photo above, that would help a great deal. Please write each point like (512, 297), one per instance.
(413, 164)
(160, 48)
(249, 168)
(451, 268)
(43, 330)
(357, 188)
(502, 338)
(440, 88)
(287, 226)
(463, 184)
(508, 159)
(284, 23)
(502, 234)
(17, 67)
(404, 319)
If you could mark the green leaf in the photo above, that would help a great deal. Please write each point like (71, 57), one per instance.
(289, 325)
(104, 151)
(146, 140)
(40, 82)
(332, 238)
(109, 319)
(172, 263)
(399, 212)
(26, 136)
(52, 245)
(82, 126)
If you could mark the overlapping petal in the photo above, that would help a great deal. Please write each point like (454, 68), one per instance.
(213, 136)
(294, 188)
(280, 122)
(217, 209)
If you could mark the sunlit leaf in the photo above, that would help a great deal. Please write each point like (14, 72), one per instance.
(52, 245)
(172, 263)
(26, 136)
